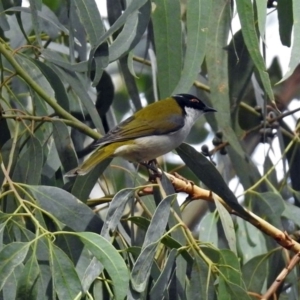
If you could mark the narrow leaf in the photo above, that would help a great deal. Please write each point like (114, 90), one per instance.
(141, 269)
(228, 226)
(115, 211)
(66, 208)
(167, 37)
(209, 175)
(11, 256)
(64, 146)
(163, 280)
(197, 16)
(246, 15)
(27, 284)
(29, 166)
(90, 18)
(60, 92)
(295, 54)
(285, 19)
(110, 259)
(65, 279)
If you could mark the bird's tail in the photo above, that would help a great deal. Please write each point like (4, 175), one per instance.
(96, 157)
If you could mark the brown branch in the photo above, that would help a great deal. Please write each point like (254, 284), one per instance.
(196, 193)
(283, 274)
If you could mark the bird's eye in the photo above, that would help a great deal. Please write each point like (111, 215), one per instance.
(194, 100)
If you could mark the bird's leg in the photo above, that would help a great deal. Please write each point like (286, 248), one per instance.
(151, 166)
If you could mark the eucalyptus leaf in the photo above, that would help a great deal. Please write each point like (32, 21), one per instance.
(65, 278)
(246, 14)
(66, 208)
(167, 37)
(142, 266)
(110, 259)
(11, 256)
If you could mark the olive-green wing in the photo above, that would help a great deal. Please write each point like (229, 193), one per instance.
(149, 121)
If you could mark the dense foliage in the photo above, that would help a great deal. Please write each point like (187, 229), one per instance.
(69, 73)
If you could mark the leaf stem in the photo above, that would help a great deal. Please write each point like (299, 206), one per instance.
(42, 93)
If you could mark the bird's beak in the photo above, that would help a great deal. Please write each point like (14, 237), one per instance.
(209, 109)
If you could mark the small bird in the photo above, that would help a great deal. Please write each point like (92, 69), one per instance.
(151, 132)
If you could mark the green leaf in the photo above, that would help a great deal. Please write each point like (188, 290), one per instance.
(91, 20)
(227, 225)
(250, 238)
(66, 208)
(240, 69)
(132, 7)
(261, 8)
(64, 145)
(57, 59)
(76, 83)
(291, 212)
(45, 15)
(142, 267)
(10, 288)
(35, 73)
(231, 285)
(246, 16)
(271, 206)
(83, 185)
(285, 19)
(60, 92)
(210, 176)
(11, 256)
(65, 278)
(201, 284)
(35, 6)
(197, 16)
(164, 278)
(217, 64)
(29, 166)
(255, 272)
(295, 54)
(27, 284)
(3, 21)
(208, 231)
(110, 259)
(131, 33)
(167, 37)
(115, 211)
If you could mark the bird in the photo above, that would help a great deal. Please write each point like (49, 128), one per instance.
(149, 133)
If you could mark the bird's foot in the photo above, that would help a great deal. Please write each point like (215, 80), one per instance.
(153, 170)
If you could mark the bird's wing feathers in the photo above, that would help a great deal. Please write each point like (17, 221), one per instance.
(143, 123)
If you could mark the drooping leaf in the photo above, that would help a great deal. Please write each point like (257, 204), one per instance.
(29, 166)
(167, 36)
(116, 210)
(255, 272)
(228, 226)
(11, 256)
(285, 19)
(246, 14)
(162, 282)
(66, 208)
(27, 284)
(65, 278)
(141, 269)
(210, 176)
(56, 84)
(200, 285)
(197, 16)
(231, 284)
(64, 146)
(110, 259)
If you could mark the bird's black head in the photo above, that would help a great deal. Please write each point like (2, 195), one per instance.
(187, 100)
